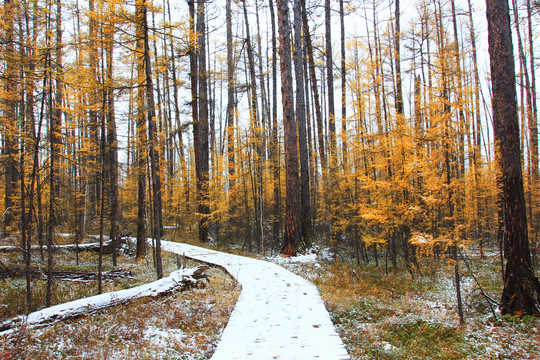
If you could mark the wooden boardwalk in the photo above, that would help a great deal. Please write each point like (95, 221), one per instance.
(279, 315)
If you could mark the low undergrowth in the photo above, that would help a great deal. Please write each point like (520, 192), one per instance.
(13, 290)
(383, 315)
(184, 325)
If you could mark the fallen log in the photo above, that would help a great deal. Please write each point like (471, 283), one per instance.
(182, 279)
(107, 247)
(65, 275)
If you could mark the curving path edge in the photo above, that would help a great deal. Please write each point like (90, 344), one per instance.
(279, 315)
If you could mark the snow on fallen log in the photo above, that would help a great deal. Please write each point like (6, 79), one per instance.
(64, 274)
(107, 247)
(184, 278)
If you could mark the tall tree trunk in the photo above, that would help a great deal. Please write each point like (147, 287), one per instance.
(529, 115)
(9, 100)
(463, 123)
(153, 151)
(477, 133)
(343, 88)
(201, 126)
(315, 89)
(103, 171)
(112, 142)
(535, 218)
(32, 140)
(55, 124)
(256, 130)
(265, 115)
(231, 108)
(333, 188)
(94, 195)
(305, 207)
(140, 9)
(25, 240)
(330, 85)
(274, 147)
(520, 285)
(183, 166)
(292, 219)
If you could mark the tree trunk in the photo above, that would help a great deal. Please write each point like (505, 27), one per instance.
(333, 179)
(231, 108)
(9, 150)
(256, 130)
(32, 139)
(141, 131)
(112, 142)
(193, 75)
(521, 285)
(535, 218)
(330, 85)
(94, 195)
(343, 89)
(152, 147)
(274, 147)
(315, 89)
(201, 154)
(292, 220)
(477, 151)
(305, 207)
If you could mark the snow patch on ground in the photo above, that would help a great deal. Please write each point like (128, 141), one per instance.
(307, 264)
(310, 257)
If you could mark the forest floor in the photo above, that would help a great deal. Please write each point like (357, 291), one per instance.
(392, 316)
(378, 314)
(12, 287)
(183, 325)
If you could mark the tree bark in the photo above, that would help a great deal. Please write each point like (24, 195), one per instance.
(315, 89)
(112, 141)
(344, 88)
(520, 285)
(153, 151)
(141, 131)
(535, 218)
(274, 147)
(292, 220)
(201, 155)
(231, 108)
(256, 133)
(193, 76)
(9, 150)
(305, 207)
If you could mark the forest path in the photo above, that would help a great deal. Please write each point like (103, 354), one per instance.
(279, 315)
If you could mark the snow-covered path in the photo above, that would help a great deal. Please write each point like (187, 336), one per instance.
(279, 315)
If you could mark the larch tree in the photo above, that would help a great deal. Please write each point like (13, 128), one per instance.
(256, 130)
(331, 117)
(231, 108)
(200, 127)
(521, 288)
(316, 98)
(153, 148)
(112, 140)
(344, 87)
(292, 234)
(274, 143)
(146, 121)
(533, 131)
(305, 207)
(141, 141)
(9, 104)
